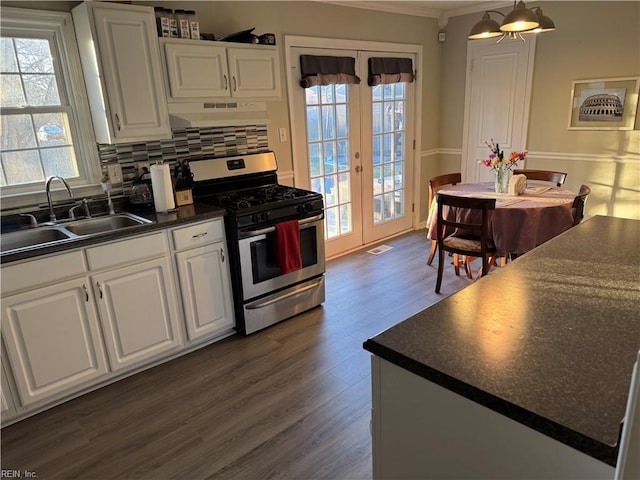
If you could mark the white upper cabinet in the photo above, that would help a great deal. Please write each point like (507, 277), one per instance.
(196, 70)
(202, 70)
(121, 63)
(254, 72)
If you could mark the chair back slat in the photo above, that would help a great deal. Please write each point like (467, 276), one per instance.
(470, 223)
(463, 231)
(544, 175)
(440, 181)
(578, 204)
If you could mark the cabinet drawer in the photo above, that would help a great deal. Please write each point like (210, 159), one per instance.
(127, 251)
(199, 234)
(34, 273)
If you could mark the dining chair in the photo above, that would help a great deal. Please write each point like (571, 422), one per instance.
(434, 185)
(545, 175)
(578, 204)
(462, 234)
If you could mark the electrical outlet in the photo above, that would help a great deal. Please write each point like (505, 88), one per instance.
(115, 173)
(283, 134)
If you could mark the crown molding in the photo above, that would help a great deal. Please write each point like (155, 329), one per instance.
(430, 9)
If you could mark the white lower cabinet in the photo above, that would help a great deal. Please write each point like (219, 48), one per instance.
(205, 284)
(53, 340)
(138, 311)
(73, 320)
(206, 293)
(8, 409)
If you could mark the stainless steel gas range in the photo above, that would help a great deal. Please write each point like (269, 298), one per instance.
(264, 291)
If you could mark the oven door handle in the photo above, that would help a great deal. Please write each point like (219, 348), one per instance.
(256, 306)
(255, 233)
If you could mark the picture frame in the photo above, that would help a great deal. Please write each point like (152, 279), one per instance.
(604, 104)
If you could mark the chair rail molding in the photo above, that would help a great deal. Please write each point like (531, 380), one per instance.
(626, 157)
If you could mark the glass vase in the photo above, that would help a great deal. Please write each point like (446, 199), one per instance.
(502, 181)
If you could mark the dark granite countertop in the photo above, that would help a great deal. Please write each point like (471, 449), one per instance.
(185, 214)
(549, 341)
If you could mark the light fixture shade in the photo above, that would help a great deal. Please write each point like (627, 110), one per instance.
(485, 28)
(520, 19)
(546, 24)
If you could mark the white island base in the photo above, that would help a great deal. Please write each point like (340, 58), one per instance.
(424, 431)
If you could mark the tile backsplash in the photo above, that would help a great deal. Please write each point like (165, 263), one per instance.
(189, 142)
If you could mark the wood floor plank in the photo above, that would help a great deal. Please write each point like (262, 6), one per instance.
(289, 402)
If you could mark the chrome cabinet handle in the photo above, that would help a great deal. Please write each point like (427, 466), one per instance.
(199, 235)
(118, 122)
(235, 84)
(222, 255)
(86, 292)
(99, 288)
(226, 82)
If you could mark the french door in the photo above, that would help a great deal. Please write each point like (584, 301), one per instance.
(354, 144)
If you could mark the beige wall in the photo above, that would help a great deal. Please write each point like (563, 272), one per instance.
(604, 42)
(314, 19)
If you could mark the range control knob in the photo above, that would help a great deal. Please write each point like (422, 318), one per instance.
(265, 216)
(255, 218)
(304, 208)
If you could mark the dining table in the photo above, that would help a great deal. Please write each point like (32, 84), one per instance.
(519, 223)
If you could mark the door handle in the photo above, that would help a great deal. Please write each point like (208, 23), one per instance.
(226, 82)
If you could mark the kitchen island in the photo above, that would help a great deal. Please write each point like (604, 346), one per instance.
(525, 373)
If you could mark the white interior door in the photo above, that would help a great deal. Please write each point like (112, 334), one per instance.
(354, 144)
(498, 91)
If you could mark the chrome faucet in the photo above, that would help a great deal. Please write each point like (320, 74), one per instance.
(84, 203)
(48, 190)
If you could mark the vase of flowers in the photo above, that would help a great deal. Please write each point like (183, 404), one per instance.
(502, 167)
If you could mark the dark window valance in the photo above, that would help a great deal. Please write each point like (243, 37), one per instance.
(390, 70)
(326, 70)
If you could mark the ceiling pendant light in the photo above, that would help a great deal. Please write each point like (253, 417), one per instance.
(545, 23)
(485, 28)
(520, 19)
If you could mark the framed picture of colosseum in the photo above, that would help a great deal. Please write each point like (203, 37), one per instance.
(604, 104)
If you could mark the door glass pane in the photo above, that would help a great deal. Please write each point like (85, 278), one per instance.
(388, 131)
(327, 120)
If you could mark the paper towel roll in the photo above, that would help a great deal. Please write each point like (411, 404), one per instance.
(162, 188)
(517, 184)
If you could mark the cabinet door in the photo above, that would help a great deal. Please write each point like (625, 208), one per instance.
(131, 70)
(206, 291)
(138, 312)
(53, 340)
(196, 70)
(254, 73)
(7, 406)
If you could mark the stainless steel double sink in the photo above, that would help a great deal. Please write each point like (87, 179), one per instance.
(48, 234)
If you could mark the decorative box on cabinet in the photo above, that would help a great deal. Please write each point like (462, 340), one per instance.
(123, 73)
(204, 279)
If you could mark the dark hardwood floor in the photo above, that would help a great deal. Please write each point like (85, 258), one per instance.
(289, 402)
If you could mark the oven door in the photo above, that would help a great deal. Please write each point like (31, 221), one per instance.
(258, 262)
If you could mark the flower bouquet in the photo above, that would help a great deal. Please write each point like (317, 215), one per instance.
(497, 162)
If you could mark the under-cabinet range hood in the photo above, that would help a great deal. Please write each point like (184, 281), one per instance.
(219, 114)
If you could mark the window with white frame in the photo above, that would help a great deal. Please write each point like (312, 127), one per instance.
(44, 122)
